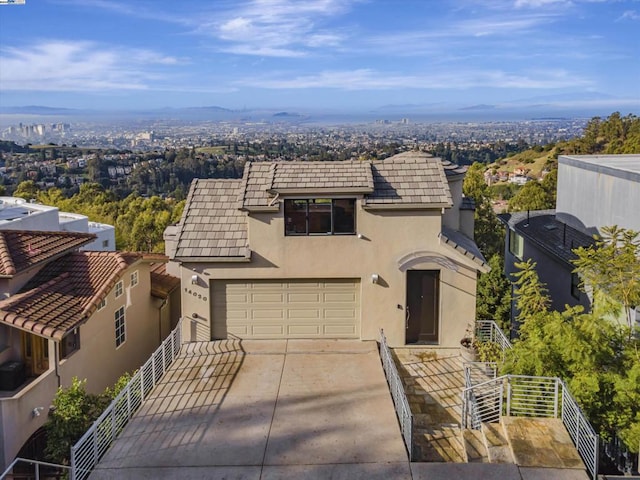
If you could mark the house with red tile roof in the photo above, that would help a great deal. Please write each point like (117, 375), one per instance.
(69, 313)
(337, 249)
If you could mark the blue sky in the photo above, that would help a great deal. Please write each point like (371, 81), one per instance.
(318, 54)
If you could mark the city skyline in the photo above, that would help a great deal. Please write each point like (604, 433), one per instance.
(321, 54)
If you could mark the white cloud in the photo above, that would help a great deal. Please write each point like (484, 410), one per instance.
(78, 66)
(630, 15)
(369, 79)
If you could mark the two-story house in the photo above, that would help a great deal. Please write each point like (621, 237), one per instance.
(67, 313)
(330, 250)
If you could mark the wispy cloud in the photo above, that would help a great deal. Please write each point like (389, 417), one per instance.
(369, 79)
(630, 15)
(79, 66)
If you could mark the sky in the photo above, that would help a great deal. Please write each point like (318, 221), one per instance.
(319, 54)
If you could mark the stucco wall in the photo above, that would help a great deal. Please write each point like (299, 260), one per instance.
(590, 198)
(387, 237)
(98, 360)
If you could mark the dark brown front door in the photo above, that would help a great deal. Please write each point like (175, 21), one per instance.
(422, 306)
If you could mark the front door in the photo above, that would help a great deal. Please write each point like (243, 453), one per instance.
(422, 306)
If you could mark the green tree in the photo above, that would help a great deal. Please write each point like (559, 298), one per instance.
(493, 300)
(532, 196)
(489, 234)
(612, 267)
(27, 190)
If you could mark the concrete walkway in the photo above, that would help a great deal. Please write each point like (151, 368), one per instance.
(265, 410)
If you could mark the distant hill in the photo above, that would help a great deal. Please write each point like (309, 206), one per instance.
(37, 110)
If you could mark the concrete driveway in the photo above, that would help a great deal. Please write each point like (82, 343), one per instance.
(272, 409)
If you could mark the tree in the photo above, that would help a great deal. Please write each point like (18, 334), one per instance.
(612, 267)
(493, 300)
(489, 234)
(530, 197)
(27, 190)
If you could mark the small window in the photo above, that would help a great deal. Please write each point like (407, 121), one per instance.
(105, 244)
(102, 304)
(119, 289)
(516, 244)
(134, 278)
(120, 327)
(70, 343)
(320, 216)
(575, 286)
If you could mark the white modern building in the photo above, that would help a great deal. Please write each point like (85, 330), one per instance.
(19, 214)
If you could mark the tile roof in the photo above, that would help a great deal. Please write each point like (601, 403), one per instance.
(411, 178)
(162, 283)
(65, 293)
(20, 250)
(542, 228)
(212, 224)
(464, 245)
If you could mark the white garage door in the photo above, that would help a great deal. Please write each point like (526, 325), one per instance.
(286, 309)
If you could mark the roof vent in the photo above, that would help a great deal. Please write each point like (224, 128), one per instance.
(550, 226)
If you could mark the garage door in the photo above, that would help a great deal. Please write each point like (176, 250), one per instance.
(286, 309)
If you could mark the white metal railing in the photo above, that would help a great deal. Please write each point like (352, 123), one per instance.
(521, 395)
(400, 401)
(489, 331)
(88, 451)
(36, 463)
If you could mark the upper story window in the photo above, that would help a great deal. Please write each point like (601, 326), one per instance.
(102, 304)
(119, 289)
(70, 343)
(575, 286)
(120, 328)
(320, 216)
(516, 244)
(134, 278)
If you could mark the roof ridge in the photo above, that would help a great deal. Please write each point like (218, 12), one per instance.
(5, 256)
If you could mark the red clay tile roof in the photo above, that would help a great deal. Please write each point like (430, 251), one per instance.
(162, 283)
(20, 250)
(65, 293)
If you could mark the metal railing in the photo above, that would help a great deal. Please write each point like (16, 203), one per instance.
(489, 331)
(88, 451)
(8, 473)
(400, 401)
(528, 396)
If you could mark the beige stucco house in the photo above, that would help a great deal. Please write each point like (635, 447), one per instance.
(67, 313)
(329, 250)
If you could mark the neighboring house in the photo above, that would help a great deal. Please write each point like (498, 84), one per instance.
(539, 236)
(68, 313)
(18, 214)
(330, 250)
(593, 191)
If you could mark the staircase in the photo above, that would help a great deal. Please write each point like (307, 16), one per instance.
(526, 442)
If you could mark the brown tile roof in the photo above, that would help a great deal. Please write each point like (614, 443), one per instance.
(212, 224)
(162, 283)
(65, 293)
(336, 176)
(409, 179)
(257, 179)
(20, 250)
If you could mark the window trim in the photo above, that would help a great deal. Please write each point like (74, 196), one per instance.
(311, 201)
(119, 286)
(119, 316)
(102, 303)
(131, 278)
(513, 235)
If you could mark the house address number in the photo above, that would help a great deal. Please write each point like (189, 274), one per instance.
(195, 294)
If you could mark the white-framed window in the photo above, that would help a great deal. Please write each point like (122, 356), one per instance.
(516, 244)
(121, 335)
(119, 288)
(134, 278)
(102, 304)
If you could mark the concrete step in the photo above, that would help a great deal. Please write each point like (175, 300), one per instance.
(438, 445)
(474, 448)
(496, 443)
(541, 442)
